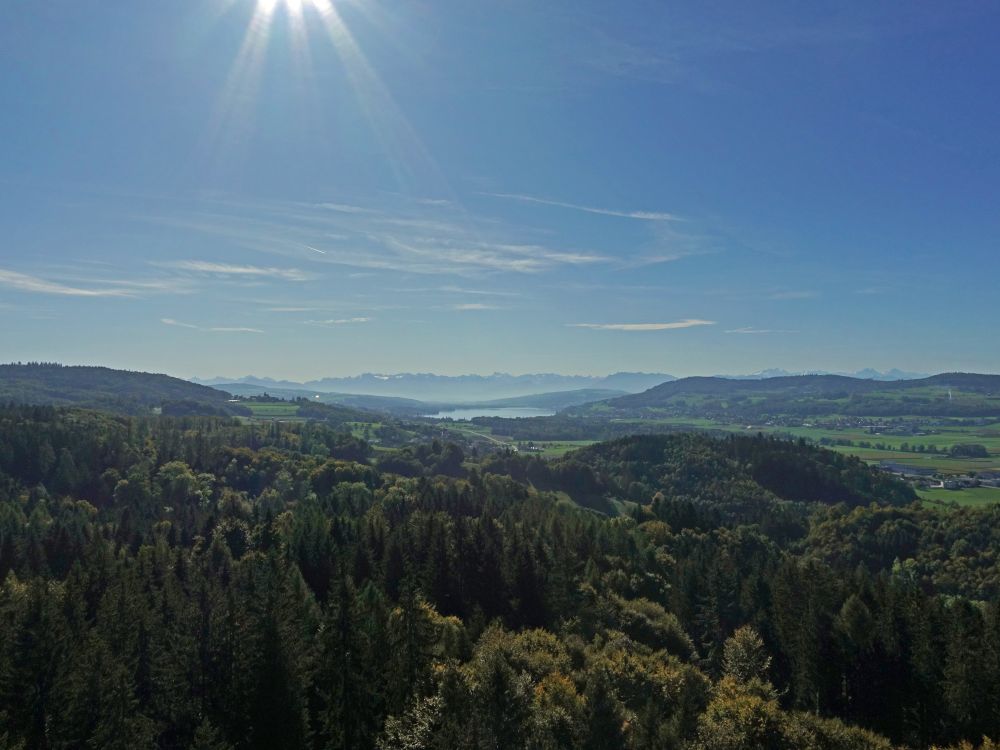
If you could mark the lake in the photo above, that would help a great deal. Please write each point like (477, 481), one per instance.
(495, 411)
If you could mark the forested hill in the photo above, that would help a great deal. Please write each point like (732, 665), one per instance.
(120, 391)
(205, 583)
(948, 394)
(379, 404)
(740, 478)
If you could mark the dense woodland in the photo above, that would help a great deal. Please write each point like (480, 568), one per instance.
(944, 395)
(120, 391)
(197, 582)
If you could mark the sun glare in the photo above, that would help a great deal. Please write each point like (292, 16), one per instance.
(233, 122)
(293, 7)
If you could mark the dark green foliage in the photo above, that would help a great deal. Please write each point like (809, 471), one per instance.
(700, 479)
(948, 394)
(425, 460)
(969, 450)
(200, 583)
(953, 553)
(331, 414)
(604, 716)
(115, 390)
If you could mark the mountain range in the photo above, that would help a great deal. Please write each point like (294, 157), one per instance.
(454, 388)
(480, 388)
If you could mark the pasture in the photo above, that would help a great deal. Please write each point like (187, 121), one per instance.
(974, 496)
(272, 409)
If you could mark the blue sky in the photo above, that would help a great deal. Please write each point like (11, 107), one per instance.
(300, 189)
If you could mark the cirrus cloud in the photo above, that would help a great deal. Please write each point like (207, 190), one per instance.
(334, 322)
(209, 329)
(25, 283)
(677, 324)
(474, 306)
(232, 269)
(640, 215)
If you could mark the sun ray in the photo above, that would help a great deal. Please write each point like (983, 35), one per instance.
(232, 122)
(414, 170)
(302, 56)
(413, 167)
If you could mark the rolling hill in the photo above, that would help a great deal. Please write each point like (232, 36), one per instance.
(947, 394)
(119, 391)
(408, 407)
(452, 389)
(382, 404)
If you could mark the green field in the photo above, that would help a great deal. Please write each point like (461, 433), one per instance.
(946, 433)
(363, 430)
(472, 432)
(975, 496)
(940, 464)
(556, 448)
(272, 410)
(945, 436)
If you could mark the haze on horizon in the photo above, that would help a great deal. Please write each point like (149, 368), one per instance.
(302, 190)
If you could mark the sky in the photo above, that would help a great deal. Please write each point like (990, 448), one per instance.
(309, 188)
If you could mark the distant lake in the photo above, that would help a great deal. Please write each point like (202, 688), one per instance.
(494, 411)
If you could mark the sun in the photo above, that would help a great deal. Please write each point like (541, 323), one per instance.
(233, 120)
(233, 117)
(293, 7)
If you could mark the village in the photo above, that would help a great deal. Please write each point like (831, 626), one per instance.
(929, 478)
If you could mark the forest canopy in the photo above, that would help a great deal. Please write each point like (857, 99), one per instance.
(199, 582)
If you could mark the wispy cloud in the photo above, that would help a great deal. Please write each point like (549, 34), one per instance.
(640, 215)
(422, 239)
(485, 292)
(209, 329)
(151, 286)
(653, 260)
(687, 323)
(334, 322)
(444, 255)
(656, 259)
(873, 290)
(172, 322)
(25, 283)
(345, 208)
(474, 306)
(451, 289)
(752, 330)
(230, 269)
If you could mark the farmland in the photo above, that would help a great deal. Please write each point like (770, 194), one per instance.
(938, 439)
(273, 409)
(942, 434)
(973, 496)
(921, 442)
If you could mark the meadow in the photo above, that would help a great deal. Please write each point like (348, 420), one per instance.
(944, 434)
(272, 409)
(973, 496)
